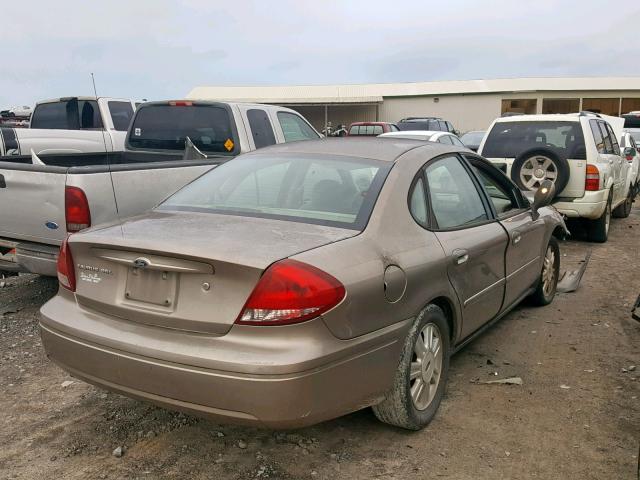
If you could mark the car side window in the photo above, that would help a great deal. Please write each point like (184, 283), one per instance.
(446, 139)
(393, 128)
(261, 128)
(457, 142)
(608, 146)
(295, 128)
(597, 136)
(418, 202)
(614, 140)
(503, 199)
(453, 196)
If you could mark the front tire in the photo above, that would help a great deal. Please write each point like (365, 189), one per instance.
(420, 380)
(548, 281)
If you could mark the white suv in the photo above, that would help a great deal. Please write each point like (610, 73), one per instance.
(579, 152)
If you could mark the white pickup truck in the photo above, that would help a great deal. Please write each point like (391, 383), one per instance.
(71, 125)
(168, 144)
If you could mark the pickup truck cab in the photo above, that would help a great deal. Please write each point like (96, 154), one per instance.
(71, 125)
(578, 152)
(168, 145)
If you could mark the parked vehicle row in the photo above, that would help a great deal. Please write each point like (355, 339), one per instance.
(168, 145)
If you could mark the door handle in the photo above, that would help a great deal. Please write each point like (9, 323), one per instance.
(3, 182)
(460, 256)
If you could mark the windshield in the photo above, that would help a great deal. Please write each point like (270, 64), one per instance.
(326, 190)
(510, 139)
(165, 127)
(472, 138)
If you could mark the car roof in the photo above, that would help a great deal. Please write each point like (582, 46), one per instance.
(375, 148)
(548, 117)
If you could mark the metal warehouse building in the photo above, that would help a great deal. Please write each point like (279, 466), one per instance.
(468, 104)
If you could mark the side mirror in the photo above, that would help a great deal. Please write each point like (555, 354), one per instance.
(543, 196)
(629, 152)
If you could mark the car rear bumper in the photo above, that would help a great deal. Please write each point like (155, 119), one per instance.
(30, 258)
(590, 206)
(293, 377)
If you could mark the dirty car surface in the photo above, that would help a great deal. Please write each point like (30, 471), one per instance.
(261, 292)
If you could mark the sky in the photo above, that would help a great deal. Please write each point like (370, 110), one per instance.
(159, 49)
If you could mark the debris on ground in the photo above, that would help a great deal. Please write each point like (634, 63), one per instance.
(506, 381)
(118, 452)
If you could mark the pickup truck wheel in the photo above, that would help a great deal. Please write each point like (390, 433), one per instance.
(548, 281)
(624, 209)
(535, 165)
(421, 377)
(598, 230)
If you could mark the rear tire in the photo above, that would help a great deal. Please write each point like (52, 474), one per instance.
(408, 404)
(533, 166)
(624, 209)
(598, 230)
(548, 281)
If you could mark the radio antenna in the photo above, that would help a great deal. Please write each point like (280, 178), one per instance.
(104, 141)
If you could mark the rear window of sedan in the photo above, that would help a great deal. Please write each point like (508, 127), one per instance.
(510, 139)
(371, 130)
(325, 190)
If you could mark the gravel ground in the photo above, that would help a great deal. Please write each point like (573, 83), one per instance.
(575, 416)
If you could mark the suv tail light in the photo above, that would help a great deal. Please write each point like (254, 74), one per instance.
(76, 209)
(291, 292)
(629, 158)
(592, 180)
(66, 272)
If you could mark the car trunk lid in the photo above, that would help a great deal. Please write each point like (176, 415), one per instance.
(185, 270)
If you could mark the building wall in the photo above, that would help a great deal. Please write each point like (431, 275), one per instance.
(466, 112)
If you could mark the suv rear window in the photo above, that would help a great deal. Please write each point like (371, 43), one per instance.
(165, 127)
(326, 190)
(433, 125)
(510, 139)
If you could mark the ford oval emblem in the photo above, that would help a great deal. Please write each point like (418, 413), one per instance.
(141, 262)
(51, 225)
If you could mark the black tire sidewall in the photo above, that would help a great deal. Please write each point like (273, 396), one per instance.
(435, 315)
(561, 163)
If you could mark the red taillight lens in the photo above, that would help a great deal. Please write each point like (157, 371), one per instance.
(66, 272)
(76, 208)
(291, 292)
(629, 158)
(592, 180)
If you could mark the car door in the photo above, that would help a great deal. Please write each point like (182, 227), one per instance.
(622, 166)
(523, 260)
(614, 161)
(473, 241)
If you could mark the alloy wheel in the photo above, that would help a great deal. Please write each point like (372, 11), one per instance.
(549, 272)
(537, 169)
(426, 366)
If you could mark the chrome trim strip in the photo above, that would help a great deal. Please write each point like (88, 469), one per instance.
(483, 291)
(523, 267)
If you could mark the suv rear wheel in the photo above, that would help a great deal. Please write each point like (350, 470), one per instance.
(624, 209)
(598, 230)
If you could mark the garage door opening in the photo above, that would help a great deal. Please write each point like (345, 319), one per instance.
(526, 106)
(560, 105)
(607, 106)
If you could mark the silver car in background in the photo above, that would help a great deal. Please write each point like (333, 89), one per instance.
(304, 281)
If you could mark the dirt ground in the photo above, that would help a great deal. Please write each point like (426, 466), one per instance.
(576, 416)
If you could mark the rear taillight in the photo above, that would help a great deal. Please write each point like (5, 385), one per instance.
(76, 209)
(291, 292)
(592, 180)
(66, 272)
(629, 158)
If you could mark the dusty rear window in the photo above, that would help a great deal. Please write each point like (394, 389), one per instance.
(165, 127)
(510, 139)
(326, 190)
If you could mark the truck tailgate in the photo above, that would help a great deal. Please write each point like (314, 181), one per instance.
(32, 203)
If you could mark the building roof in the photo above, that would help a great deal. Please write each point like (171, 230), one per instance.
(375, 92)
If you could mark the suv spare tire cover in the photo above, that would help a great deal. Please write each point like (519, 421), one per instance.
(534, 157)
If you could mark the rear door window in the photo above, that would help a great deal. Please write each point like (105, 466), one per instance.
(614, 140)
(606, 139)
(261, 128)
(417, 202)
(295, 127)
(166, 126)
(121, 113)
(597, 136)
(90, 118)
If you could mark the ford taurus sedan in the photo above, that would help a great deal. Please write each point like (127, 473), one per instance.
(301, 282)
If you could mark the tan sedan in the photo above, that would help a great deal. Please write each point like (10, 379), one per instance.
(305, 281)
